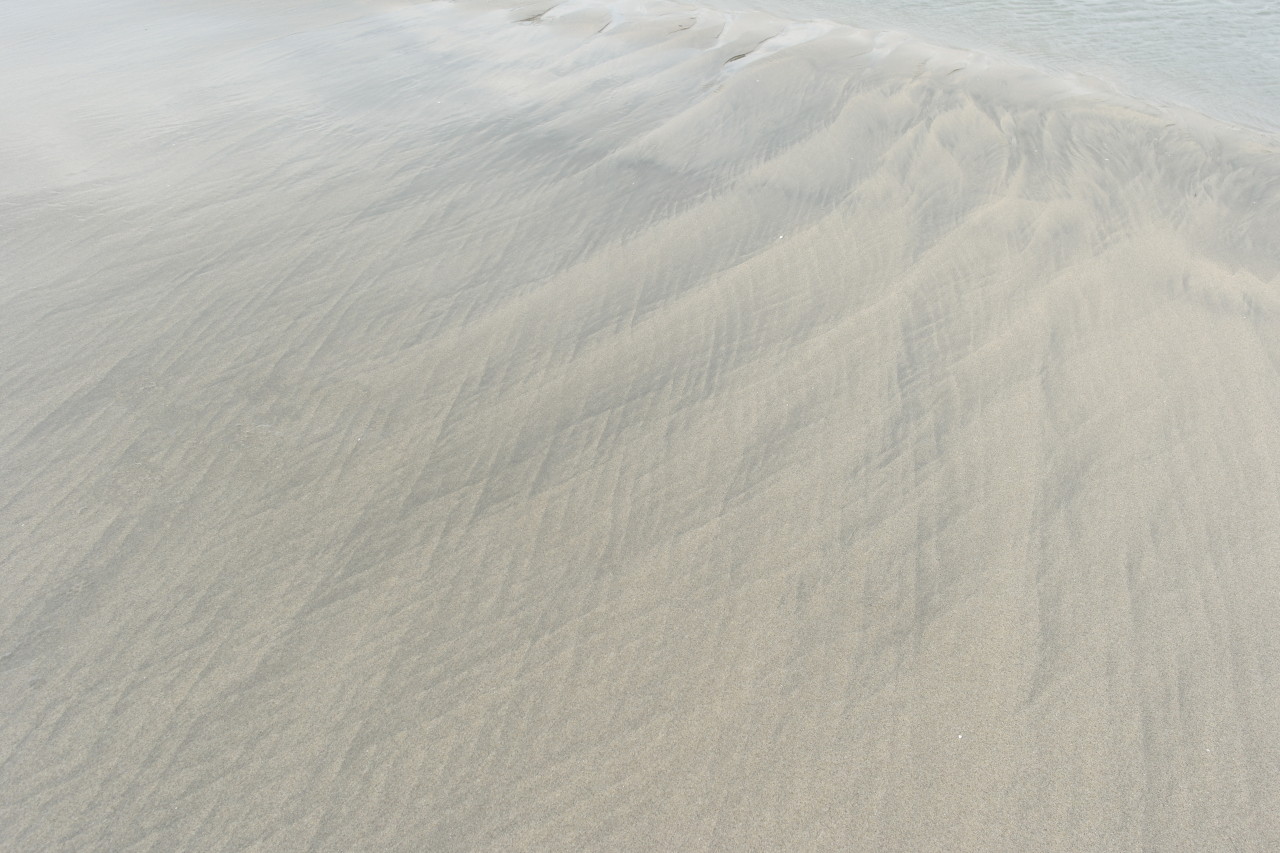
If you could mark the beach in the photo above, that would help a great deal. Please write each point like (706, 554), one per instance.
(624, 426)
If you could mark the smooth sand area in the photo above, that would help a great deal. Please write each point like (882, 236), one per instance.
(628, 429)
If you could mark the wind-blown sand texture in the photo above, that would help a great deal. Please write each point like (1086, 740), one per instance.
(636, 430)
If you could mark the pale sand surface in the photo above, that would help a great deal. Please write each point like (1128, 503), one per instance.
(424, 431)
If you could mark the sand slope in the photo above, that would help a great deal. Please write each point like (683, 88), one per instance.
(424, 430)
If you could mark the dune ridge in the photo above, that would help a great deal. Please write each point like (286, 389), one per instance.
(460, 426)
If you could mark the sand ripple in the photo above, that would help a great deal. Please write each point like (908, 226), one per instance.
(578, 427)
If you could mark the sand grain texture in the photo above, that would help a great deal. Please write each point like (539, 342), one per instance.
(627, 429)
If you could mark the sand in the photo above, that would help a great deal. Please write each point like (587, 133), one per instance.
(633, 428)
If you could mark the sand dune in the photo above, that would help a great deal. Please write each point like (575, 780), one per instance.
(453, 427)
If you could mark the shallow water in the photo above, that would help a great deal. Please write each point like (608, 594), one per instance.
(1216, 56)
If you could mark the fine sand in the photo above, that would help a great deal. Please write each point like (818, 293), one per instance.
(437, 427)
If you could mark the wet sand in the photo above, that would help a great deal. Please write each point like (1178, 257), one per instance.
(453, 427)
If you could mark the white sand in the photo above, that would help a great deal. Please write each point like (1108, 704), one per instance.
(423, 431)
